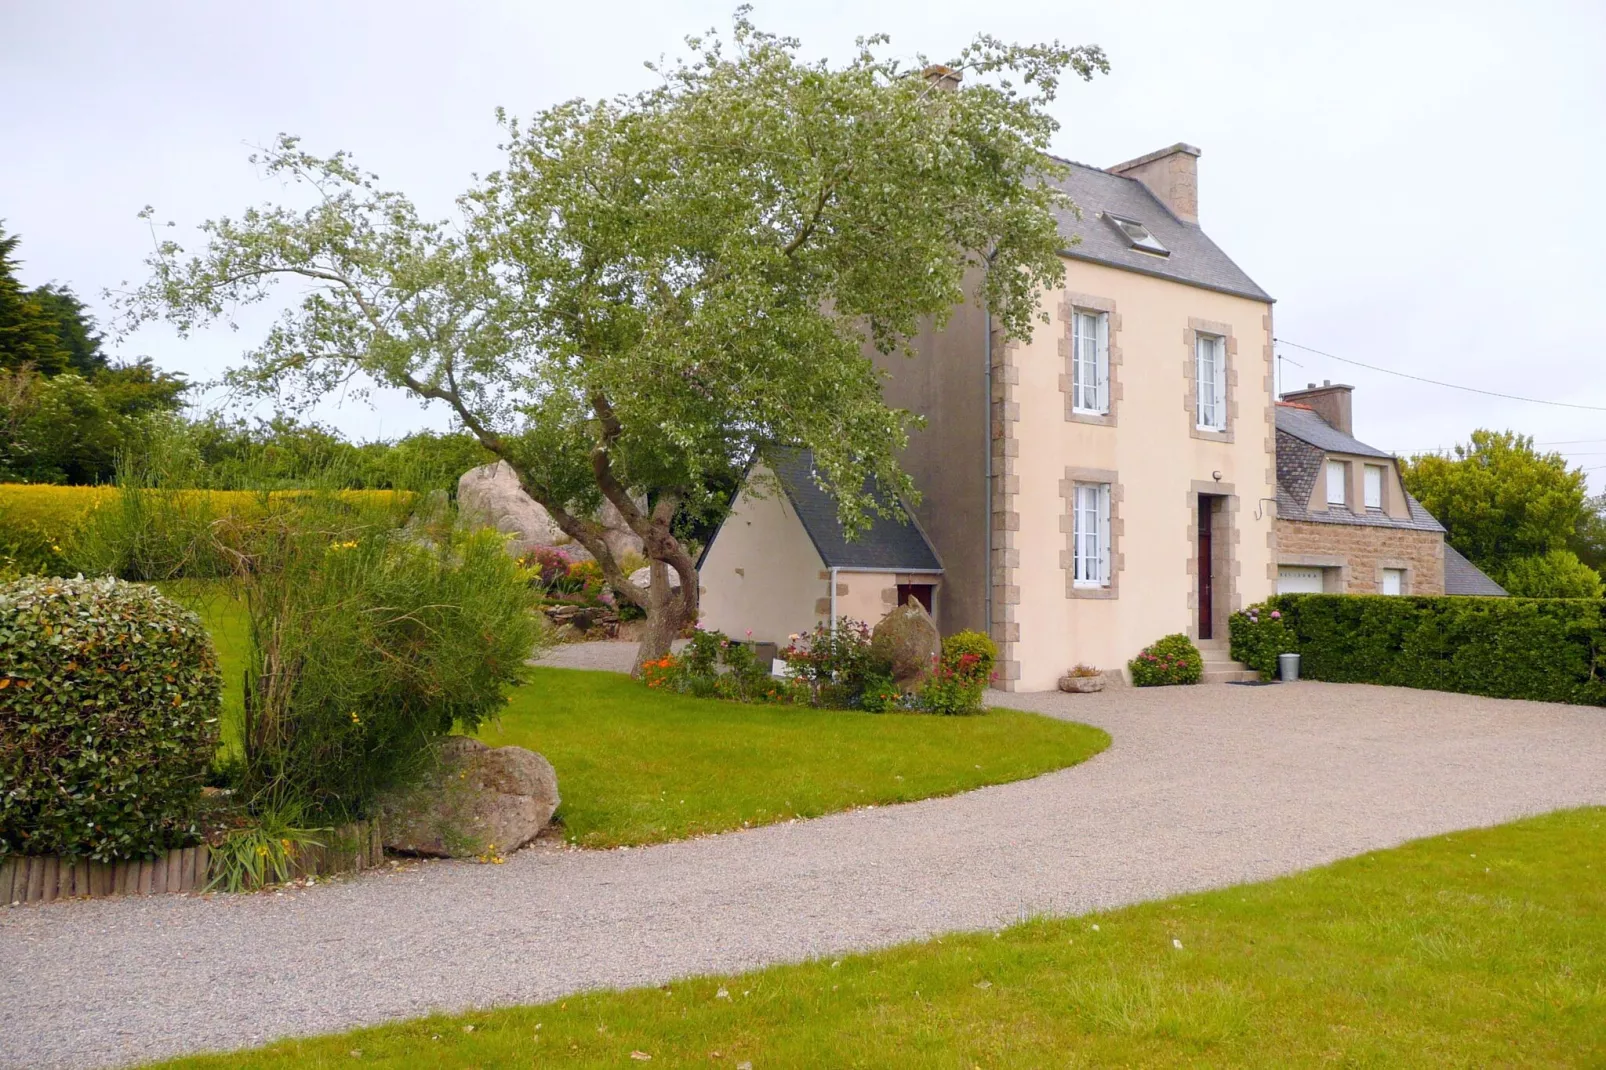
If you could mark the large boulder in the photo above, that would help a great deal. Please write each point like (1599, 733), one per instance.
(475, 801)
(907, 639)
(490, 496)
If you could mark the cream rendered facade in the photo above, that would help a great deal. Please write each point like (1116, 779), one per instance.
(1154, 457)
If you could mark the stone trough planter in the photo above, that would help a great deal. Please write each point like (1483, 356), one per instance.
(1081, 685)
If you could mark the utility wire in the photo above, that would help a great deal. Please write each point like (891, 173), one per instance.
(1439, 382)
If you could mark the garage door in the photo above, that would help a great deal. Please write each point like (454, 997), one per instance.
(1298, 579)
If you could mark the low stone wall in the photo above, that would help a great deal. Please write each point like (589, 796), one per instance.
(42, 878)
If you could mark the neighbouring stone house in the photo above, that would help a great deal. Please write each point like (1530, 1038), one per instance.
(1085, 492)
(1345, 522)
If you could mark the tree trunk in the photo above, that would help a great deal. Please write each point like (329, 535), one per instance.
(667, 616)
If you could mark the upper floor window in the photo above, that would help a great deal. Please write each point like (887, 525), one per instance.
(1374, 486)
(1337, 483)
(1091, 535)
(1090, 362)
(1210, 382)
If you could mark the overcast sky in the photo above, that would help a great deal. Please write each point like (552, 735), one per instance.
(1419, 185)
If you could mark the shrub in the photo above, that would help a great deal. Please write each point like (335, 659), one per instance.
(977, 644)
(1258, 635)
(109, 705)
(1171, 660)
(1557, 574)
(837, 663)
(1546, 649)
(365, 647)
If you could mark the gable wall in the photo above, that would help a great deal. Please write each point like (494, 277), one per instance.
(762, 573)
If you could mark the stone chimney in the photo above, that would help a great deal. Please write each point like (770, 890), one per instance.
(1172, 175)
(1330, 400)
(942, 77)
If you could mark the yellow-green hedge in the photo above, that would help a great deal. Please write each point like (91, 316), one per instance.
(39, 521)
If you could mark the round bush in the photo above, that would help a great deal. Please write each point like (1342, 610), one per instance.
(109, 704)
(1172, 660)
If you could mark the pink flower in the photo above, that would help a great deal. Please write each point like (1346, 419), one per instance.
(1276, 614)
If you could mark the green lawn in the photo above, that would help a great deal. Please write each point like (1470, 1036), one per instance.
(637, 766)
(1476, 949)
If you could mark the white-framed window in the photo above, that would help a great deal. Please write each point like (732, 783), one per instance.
(1394, 581)
(1337, 483)
(1091, 535)
(1374, 486)
(1210, 381)
(1090, 362)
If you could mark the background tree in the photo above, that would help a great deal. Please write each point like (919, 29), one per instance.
(75, 329)
(660, 286)
(1589, 537)
(1510, 509)
(28, 331)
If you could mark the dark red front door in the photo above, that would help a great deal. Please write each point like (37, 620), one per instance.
(920, 592)
(1206, 567)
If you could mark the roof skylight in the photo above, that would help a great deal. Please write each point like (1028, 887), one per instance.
(1138, 235)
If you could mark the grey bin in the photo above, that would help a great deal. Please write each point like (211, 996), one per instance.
(1287, 667)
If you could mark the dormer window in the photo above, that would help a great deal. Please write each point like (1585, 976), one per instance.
(1138, 235)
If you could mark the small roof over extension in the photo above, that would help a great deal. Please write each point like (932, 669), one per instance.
(1463, 577)
(886, 546)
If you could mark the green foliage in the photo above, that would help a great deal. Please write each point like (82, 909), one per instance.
(1588, 540)
(712, 665)
(367, 646)
(837, 663)
(1171, 660)
(29, 337)
(68, 429)
(657, 287)
(1549, 650)
(1557, 574)
(1257, 636)
(75, 330)
(263, 850)
(960, 678)
(108, 718)
(1500, 499)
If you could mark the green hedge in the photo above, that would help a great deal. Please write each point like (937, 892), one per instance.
(109, 705)
(1547, 649)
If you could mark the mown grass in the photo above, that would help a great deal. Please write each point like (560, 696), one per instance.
(637, 766)
(1475, 949)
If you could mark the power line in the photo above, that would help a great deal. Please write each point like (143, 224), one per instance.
(1440, 382)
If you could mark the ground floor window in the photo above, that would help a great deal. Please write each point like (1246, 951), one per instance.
(1301, 579)
(1091, 535)
(1394, 581)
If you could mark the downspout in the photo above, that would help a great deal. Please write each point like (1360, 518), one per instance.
(987, 454)
(833, 603)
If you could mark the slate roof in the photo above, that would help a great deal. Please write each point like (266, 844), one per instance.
(1193, 259)
(1300, 463)
(1304, 424)
(886, 544)
(1463, 577)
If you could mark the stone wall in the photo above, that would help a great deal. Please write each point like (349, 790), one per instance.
(1361, 553)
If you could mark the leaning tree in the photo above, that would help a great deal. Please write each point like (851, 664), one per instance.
(660, 287)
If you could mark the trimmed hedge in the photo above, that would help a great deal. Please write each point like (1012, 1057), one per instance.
(109, 706)
(1546, 649)
(41, 523)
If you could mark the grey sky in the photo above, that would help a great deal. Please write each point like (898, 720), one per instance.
(1418, 185)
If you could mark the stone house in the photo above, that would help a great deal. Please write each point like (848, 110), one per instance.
(1345, 522)
(1105, 483)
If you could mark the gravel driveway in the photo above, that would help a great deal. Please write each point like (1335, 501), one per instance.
(1203, 786)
